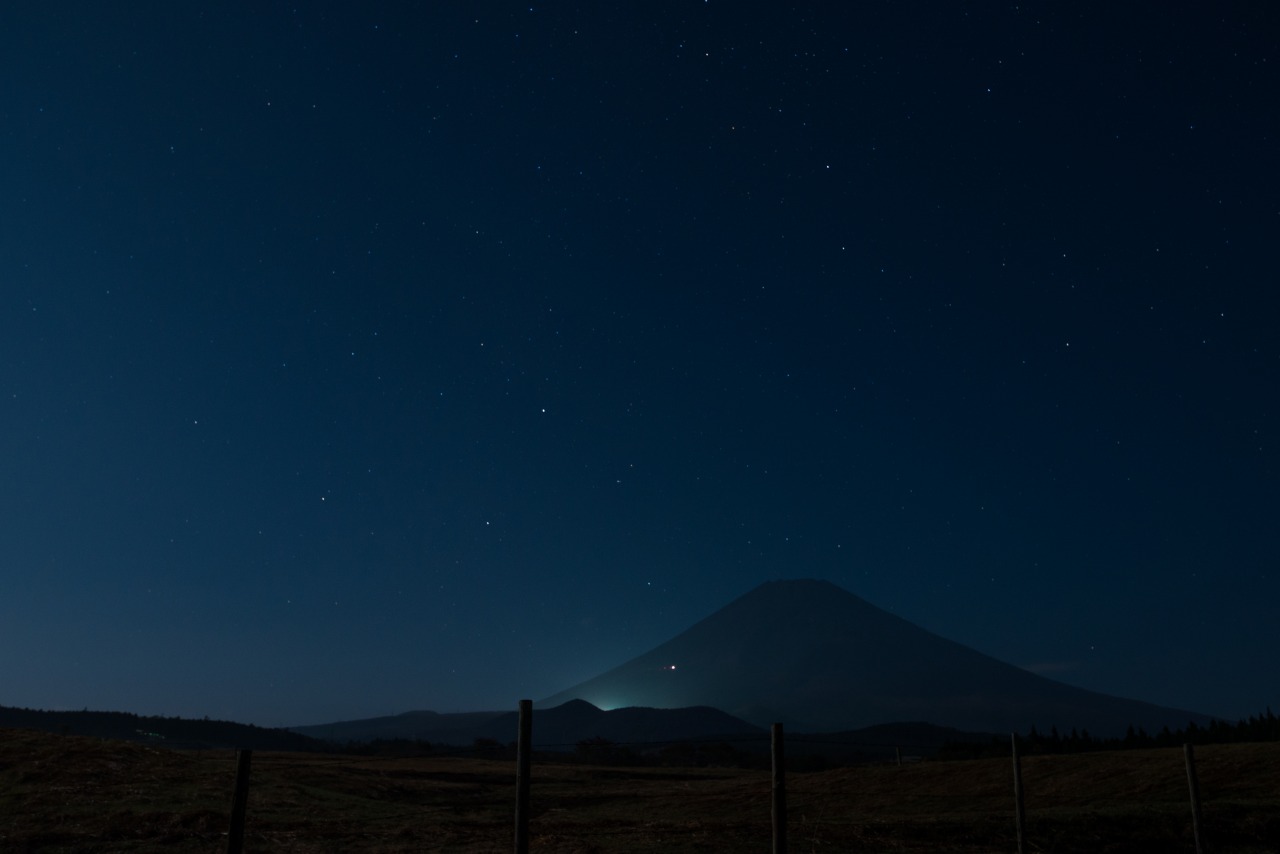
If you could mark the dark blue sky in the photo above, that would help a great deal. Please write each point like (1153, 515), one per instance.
(358, 358)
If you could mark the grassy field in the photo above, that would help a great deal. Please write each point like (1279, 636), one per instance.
(64, 793)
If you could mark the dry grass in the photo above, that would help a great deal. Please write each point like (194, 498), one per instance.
(61, 793)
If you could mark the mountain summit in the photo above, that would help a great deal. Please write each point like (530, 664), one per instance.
(817, 657)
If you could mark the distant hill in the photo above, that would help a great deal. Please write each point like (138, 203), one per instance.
(564, 726)
(818, 658)
(436, 727)
(169, 732)
(559, 728)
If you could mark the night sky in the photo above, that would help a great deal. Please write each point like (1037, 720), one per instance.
(365, 357)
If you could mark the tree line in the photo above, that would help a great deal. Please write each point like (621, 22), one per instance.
(1264, 727)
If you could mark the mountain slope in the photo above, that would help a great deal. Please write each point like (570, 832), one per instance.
(817, 657)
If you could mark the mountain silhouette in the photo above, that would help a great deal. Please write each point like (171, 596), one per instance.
(818, 658)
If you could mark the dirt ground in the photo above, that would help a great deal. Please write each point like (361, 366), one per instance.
(63, 793)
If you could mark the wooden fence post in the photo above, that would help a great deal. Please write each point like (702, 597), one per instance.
(1020, 815)
(523, 748)
(779, 809)
(239, 802)
(1189, 754)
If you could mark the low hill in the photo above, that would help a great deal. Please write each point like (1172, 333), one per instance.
(170, 732)
(564, 726)
(561, 727)
(435, 727)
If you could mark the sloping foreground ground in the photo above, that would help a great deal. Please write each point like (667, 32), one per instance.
(63, 793)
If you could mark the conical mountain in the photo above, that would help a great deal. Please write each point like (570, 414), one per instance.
(819, 658)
